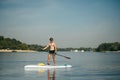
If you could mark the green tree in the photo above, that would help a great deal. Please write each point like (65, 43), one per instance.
(109, 47)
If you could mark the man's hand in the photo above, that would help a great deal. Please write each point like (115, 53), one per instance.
(42, 49)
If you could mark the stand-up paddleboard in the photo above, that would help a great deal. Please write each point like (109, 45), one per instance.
(32, 67)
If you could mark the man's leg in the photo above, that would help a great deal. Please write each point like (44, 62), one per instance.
(48, 59)
(54, 59)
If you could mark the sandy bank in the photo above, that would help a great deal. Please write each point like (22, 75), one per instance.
(5, 50)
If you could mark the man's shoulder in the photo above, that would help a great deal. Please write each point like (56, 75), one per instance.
(54, 43)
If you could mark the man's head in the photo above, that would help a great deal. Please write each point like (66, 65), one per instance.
(51, 39)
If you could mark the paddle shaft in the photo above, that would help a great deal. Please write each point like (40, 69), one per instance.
(63, 56)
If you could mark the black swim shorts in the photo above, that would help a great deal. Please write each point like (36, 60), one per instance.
(52, 51)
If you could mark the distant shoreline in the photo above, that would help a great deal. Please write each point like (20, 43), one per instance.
(111, 51)
(5, 50)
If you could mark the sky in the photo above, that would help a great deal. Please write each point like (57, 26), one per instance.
(72, 23)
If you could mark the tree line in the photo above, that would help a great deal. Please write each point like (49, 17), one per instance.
(8, 43)
(115, 46)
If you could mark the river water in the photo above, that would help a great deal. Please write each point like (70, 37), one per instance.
(85, 66)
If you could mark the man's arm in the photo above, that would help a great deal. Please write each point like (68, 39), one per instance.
(55, 47)
(45, 47)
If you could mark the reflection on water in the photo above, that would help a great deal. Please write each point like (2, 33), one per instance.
(51, 74)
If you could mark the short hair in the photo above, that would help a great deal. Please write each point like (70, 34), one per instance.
(51, 39)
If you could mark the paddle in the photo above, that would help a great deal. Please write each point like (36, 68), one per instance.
(63, 56)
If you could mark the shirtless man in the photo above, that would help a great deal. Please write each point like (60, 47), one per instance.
(52, 50)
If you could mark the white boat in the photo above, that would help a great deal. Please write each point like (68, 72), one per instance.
(82, 51)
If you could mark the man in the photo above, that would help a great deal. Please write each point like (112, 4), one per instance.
(52, 50)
